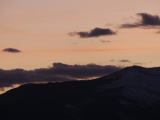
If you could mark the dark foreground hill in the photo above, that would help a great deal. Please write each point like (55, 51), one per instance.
(132, 93)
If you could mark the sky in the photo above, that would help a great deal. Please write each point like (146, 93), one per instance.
(38, 34)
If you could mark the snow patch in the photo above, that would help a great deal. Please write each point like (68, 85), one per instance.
(139, 84)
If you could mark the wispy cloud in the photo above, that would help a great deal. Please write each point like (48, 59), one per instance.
(137, 63)
(112, 60)
(158, 32)
(96, 32)
(104, 41)
(124, 61)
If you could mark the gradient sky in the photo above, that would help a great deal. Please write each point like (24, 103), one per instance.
(40, 30)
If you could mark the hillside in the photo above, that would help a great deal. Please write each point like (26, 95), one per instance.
(132, 93)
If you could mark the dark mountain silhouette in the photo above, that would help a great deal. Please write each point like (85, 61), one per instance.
(132, 93)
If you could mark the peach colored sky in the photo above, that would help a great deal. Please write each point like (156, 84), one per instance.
(40, 28)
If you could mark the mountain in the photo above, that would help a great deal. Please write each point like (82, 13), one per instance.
(132, 93)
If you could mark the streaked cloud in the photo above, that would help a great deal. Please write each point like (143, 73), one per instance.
(124, 61)
(104, 41)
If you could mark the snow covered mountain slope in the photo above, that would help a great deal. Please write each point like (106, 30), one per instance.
(138, 83)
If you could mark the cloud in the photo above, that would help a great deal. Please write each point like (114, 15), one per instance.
(96, 32)
(124, 61)
(158, 32)
(137, 63)
(58, 73)
(12, 50)
(112, 60)
(104, 41)
(147, 21)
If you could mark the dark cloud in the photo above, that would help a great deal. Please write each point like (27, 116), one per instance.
(59, 72)
(124, 60)
(79, 71)
(147, 20)
(96, 32)
(12, 50)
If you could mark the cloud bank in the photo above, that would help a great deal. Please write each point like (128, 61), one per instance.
(147, 20)
(11, 50)
(58, 73)
(96, 32)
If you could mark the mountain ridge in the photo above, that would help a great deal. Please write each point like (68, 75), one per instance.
(132, 93)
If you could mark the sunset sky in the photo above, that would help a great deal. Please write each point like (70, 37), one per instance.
(35, 34)
(41, 29)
